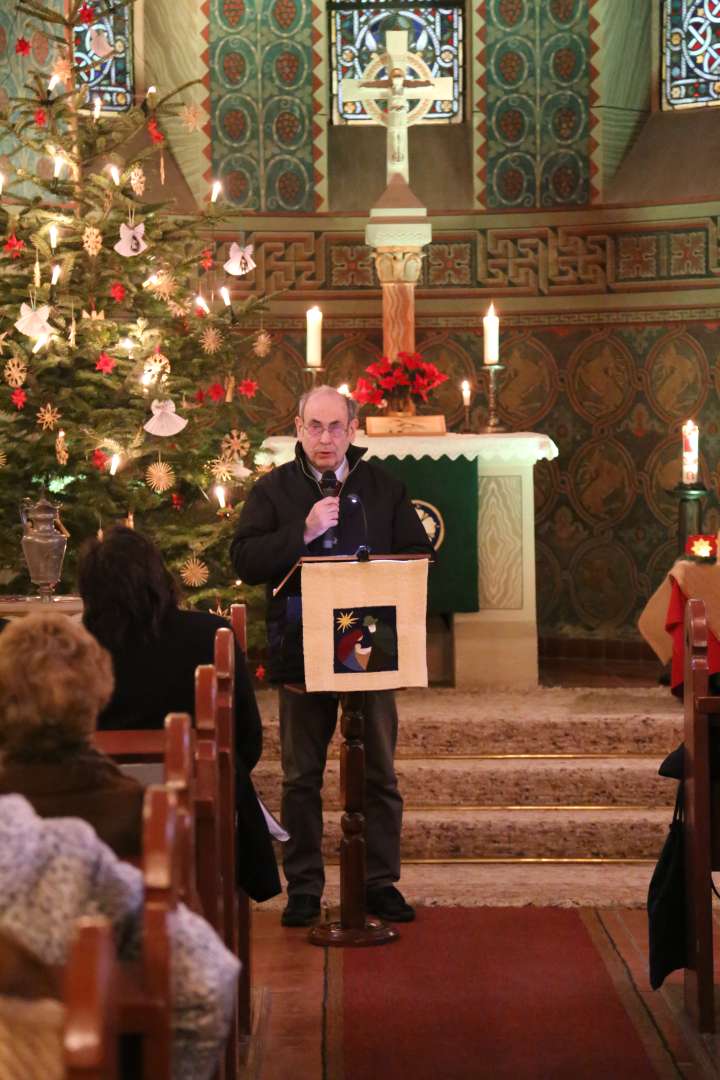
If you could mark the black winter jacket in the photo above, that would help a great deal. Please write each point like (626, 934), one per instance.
(269, 540)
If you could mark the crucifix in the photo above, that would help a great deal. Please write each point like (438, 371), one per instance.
(397, 91)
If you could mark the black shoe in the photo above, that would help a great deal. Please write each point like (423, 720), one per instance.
(301, 910)
(389, 904)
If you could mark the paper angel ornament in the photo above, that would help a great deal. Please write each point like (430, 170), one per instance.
(164, 420)
(240, 261)
(131, 240)
(33, 321)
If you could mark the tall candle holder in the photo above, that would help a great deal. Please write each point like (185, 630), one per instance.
(689, 510)
(466, 428)
(315, 370)
(494, 425)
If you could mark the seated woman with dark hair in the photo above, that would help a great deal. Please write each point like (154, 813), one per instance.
(131, 606)
(54, 679)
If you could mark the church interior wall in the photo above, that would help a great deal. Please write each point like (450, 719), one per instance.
(610, 314)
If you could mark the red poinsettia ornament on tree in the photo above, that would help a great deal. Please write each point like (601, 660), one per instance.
(394, 384)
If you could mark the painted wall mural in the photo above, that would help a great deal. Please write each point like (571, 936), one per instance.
(260, 74)
(537, 93)
(613, 398)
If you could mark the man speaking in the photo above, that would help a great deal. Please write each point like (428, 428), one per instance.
(328, 501)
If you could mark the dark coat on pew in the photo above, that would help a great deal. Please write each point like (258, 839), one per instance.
(153, 680)
(85, 785)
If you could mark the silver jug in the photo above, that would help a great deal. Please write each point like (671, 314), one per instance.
(43, 545)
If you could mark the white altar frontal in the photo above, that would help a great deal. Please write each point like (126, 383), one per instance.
(496, 645)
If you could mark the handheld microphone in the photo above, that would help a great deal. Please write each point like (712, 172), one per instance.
(329, 486)
(363, 552)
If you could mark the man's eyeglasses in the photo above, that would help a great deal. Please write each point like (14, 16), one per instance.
(315, 429)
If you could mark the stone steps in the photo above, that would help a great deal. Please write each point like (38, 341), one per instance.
(513, 781)
(491, 833)
(550, 796)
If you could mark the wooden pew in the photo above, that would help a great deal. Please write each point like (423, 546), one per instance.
(223, 661)
(90, 1038)
(702, 824)
(173, 749)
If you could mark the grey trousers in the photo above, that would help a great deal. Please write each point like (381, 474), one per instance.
(307, 723)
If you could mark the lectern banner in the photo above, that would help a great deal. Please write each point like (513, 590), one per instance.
(364, 624)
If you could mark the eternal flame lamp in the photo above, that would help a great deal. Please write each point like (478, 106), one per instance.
(691, 489)
(43, 545)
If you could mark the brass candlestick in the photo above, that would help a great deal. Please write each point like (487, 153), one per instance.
(315, 371)
(494, 425)
(466, 428)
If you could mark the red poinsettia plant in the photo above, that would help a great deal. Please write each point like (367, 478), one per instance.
(394, 383)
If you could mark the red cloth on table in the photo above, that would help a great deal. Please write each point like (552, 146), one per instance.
(675, 626)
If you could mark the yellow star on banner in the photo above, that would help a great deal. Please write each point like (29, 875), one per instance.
(345, 620)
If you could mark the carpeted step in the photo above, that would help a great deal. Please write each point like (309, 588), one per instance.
(520, 781)
(626, 833)
(510, 884)
(547, 720)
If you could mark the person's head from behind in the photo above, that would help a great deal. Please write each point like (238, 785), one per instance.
(126, 588)
(326, 425)
(54, 680)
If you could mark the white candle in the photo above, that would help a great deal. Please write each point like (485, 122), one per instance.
(115, 174)
(114, 464)
(313, 355)
(53, 236)
(216, 190)
(491, 337)
(54, 80)
(57, 166)
(2, 182)
(202, 303)
(55, 274)
(690, 441)
(465, 387)
(220, 495)
(97, 106)
(225, 293)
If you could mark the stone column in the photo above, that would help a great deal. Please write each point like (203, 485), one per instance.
(397, 231)
(398, 269)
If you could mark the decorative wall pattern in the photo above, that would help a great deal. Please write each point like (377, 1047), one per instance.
(691, 53)
(261, 75)
(537, 74)
(529, 260)
(613, 398)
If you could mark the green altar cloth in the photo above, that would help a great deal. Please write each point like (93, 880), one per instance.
(445, 493)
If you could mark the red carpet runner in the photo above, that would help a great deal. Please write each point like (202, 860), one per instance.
(497, 993)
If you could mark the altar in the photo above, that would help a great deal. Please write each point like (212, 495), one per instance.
(492, 640)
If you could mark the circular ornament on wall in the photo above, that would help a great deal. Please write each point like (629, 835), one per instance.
(563, 12)
(286, 16)
(564, 58)
(512, 63)
(529, 385)
(603, 583)
(564, 115)
(602, 481)
(285, 122)
(512, 119)
(240, 180)
(677, 376)
(287, 185)
(235, 120)
(234, 63)
(563, 179)
(231, 13)
(509, 13)
(285, 65)
(513, 181)
(600, 379)
(662, 472)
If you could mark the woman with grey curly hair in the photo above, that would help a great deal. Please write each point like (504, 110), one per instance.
(54, 680)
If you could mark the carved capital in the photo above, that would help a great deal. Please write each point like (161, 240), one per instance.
(394, 264)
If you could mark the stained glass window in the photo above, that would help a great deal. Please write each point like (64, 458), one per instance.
(434, 36)
(103, 53)
(691, 53)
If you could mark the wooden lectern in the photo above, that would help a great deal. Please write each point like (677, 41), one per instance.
(363, 629)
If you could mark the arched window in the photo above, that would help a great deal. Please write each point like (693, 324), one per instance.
(691, 53)
(103, 53)
(357, 37)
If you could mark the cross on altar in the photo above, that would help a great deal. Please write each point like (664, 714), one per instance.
(397, 90)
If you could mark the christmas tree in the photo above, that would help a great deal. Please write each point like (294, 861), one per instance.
(124, 359)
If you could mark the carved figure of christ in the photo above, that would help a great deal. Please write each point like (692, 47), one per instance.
(397, 91)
